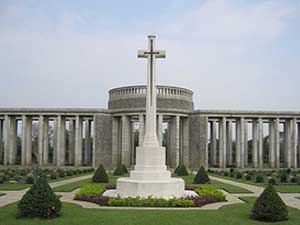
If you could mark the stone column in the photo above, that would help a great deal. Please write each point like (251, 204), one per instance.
(61, 141)
(287, 143)
(71, 141)
(198, 141)
(271, 144)
(246, 154)
(185, 142)
(46, 141)
(277, 142)
(126, 140)
(54, 154)
(160, 129)
(229, 142)
(261, 142)
(222, 143)
(28, 141)
(1, 142)
(6, 139)
(213, 143)
(78, 141)
(255, 137)
(115, 142)
(23, 139)
(102, 145)
(240, 143)
(294, 143)
(88, 143)
(141, 129)
(174, 141)
(41, 140)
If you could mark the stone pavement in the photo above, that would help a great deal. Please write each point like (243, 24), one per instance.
(290, 199)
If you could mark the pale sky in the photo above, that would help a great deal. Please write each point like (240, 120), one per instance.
(233, 54)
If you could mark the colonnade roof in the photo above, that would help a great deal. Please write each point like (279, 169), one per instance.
(247, 113)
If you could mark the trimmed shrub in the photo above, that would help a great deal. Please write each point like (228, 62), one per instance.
(208, 190)
(69, 173)
(100, 175)
(201, 177)
(29, 179)
(269, 206)
(124, 168)
(90, 190)
(181, 171)
(150, 202)
(248, 176)
(259, 178)
(238, 175)
(119, 171)
(53, 176)
(272, 181)
(40, 201)
(226, 173)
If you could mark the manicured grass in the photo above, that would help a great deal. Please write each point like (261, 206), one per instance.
(72, 186)
(73, 215)
(17, 186)
(283, 188)
(219, 185)
(188, 180)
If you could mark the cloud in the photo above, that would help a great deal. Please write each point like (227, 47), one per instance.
(223, 51)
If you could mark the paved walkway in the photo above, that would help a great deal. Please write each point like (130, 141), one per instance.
(290, 199)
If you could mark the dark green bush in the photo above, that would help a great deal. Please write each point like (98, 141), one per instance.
(248, 176)
(40, 201)
(69, 173)
(283, 176)
(118, 171)
(259, 178)
(269, 206)
(53, 176)
(201, 177)
(238, 175)
(124, 168)
(100, 175)
(181, 170)
(29, 179)
(272, 181)
(226, 173)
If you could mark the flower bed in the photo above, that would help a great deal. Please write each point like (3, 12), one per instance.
(93, 193)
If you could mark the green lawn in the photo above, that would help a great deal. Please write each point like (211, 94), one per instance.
(73, 215)
(226, 187)
(72, 186)
(283, 188)
(17, 186)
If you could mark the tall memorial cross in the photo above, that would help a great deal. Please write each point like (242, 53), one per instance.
(151, 54)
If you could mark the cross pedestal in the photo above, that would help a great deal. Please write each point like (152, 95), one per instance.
(150, 176)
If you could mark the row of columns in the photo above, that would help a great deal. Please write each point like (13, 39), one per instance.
(9, 134)
(123, 149)
(223, 151)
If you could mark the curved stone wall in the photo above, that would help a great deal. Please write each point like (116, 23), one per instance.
(168, 97)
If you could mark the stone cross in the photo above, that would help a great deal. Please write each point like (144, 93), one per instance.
(151, 54)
